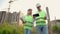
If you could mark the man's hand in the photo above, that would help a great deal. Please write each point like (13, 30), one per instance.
(45, 17)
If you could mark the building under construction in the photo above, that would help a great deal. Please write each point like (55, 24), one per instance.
(2, 16)
(9, 17)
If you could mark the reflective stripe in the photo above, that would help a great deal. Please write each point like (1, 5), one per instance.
(27, 25)
(28, 22)
(39, 18)
(39, 24)
(41, 21)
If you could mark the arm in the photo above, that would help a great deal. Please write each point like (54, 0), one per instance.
(45, 16)
(22, 20)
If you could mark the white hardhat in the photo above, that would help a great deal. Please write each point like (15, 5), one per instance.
(38, 4)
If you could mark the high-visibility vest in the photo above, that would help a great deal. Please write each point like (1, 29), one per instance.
(28, 22)
(40, 19)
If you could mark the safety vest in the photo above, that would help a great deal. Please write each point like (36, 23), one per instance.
(40, 19)
(28, 22)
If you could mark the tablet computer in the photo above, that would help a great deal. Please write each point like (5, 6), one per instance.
(36, 15)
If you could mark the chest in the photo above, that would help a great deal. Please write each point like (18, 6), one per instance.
(28, 18)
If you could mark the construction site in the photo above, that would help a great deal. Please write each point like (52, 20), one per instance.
(11, 16)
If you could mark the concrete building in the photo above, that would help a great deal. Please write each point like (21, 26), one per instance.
(10, 18)
(2, 16)
(55, 22)
(14, 17)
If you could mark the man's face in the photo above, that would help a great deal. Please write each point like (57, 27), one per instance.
(39, 8)
(30, 11)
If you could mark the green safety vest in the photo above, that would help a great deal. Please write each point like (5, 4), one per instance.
(40, 19)
(28, 22)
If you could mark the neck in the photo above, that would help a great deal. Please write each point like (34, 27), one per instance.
(39, 10)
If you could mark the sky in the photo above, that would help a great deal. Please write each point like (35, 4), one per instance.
(24, 5)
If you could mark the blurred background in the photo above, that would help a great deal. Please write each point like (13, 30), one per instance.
(12, 10)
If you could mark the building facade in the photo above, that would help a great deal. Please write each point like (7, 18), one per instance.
(2, 16)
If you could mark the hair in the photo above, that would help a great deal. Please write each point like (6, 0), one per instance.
(29, 9)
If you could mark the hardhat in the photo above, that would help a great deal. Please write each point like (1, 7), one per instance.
(38, 4)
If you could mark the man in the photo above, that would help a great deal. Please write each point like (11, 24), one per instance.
(28, 22)
(41, 27)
